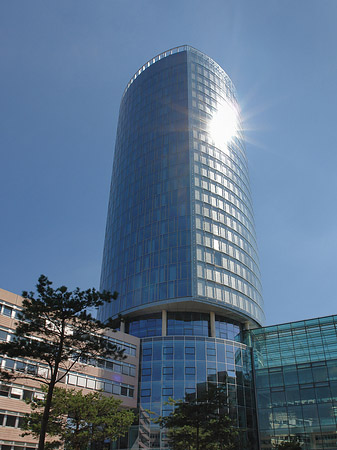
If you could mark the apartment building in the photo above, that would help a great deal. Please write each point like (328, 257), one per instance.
(117, 378)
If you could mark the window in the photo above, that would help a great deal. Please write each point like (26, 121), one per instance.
(32, 369)
(147, 351)
(190, 350)
(210, 351)
(7, 311)
(124, 390)
(10, 421)
(39, 395)
(117, 368)
(20, 423)
(4, 390)
(16, 393)
(99, 385)
(27, 395)
(20, 366)
(81, 381)
(10, 364)
(3, 335)
(43, 371)
(168, 350)
(167, 392)
(91, 384)
(167, 370)
(116, 389)
(72, 379)
(190, 370)
(211, 374)
(145, 392)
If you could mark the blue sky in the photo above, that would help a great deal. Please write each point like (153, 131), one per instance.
(64, 66)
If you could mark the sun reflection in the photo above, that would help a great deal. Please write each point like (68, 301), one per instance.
(224, 125)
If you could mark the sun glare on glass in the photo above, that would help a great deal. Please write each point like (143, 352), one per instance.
(223, 126)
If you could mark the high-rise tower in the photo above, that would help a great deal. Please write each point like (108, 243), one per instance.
(180, 243)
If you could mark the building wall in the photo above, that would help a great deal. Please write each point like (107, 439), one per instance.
(224, 251)
(180, 243)
(117, 378)
(180, 228)
(296, 382)
(147, 250)
(175, 366)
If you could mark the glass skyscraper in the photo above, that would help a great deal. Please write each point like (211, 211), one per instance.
(180, 244)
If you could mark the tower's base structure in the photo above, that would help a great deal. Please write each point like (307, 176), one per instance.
(290, 381)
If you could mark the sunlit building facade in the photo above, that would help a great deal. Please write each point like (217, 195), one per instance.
(296, 383)
(180, 244)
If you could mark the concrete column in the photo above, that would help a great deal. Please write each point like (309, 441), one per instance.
(246, 334)
(122, 326)
(163, 322)
(212, 320)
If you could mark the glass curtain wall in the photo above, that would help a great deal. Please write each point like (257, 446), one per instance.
(147, 250)
(296, 383)
(226, 271)
(180, 242)
(174, 366)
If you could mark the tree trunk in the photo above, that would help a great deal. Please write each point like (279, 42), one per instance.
(51, 387)
(45, 417)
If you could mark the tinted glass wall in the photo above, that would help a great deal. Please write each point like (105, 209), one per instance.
(180, 222)
(296, 382)
(180, 230)
(147, 249)
(174, 366)
(224, 243)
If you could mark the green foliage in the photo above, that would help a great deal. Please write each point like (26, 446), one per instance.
(55, 329)
(78, 419)
(201, 423)
(65, 331)
(292, 444)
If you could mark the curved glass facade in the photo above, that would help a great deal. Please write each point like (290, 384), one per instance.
(224, 246)
(180, 244)
(180, 365)
(147, 252)
(180, 223)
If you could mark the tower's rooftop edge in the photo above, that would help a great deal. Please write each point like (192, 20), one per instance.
(179, 49)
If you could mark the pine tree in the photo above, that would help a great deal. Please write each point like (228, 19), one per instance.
(54, 328)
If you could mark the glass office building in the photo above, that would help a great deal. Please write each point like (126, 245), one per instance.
(180, 244)
(296, 383)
